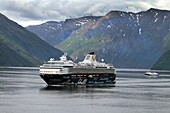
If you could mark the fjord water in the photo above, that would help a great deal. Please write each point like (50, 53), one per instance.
(23, 91)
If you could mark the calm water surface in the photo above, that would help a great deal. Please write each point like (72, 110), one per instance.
(23, 91)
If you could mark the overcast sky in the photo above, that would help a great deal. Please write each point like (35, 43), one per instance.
(30, 12)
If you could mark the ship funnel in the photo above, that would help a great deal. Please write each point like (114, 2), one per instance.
(64, 57)
(90, 58)
(92, 53)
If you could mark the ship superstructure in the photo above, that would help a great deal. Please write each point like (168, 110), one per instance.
(87, 72)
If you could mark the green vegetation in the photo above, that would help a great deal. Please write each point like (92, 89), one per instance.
(163, 63)
(126, 42)
(125, 39)
(19, 47)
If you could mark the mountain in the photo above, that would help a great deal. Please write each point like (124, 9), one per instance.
(55, 32)
(20, 47)
(163, 63)
(125, 39)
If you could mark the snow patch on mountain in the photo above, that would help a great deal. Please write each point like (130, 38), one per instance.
(156, 20)
(164, 18)
(137, 18)
(109, 26)
(155, 14)
(140, 31)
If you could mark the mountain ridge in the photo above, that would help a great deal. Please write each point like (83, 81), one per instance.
(55, 32)
(20, 47)
(125, 39)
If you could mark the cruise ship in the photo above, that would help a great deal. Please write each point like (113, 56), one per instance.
(87, 72)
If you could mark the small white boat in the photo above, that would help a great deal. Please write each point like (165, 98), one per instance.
(152, 74)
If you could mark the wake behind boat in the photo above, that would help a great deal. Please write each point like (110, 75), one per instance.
(87, 72)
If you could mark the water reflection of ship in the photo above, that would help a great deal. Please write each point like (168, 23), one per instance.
(77, 88)
(87, 72)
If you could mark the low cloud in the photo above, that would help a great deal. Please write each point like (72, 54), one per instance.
(43, 10)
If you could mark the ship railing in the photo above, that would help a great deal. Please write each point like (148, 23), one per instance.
(57, 65)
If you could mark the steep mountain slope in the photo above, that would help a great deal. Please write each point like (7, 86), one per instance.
(19, 47)
(163, 63)
(125, 39)
(55, 32)
(129, 40)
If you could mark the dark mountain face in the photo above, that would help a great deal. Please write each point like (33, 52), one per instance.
(163, 63)
(128, 40)
(19, 47)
